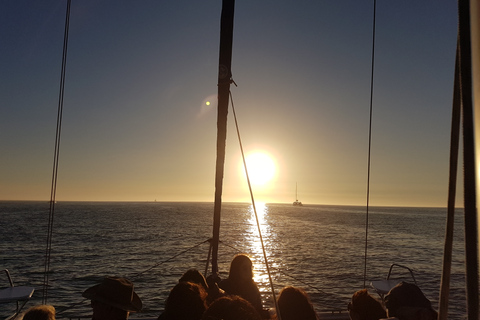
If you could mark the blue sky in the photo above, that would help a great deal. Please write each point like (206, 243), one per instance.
(136, 127)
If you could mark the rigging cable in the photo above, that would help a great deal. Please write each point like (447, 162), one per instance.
(369, 143)
(237, 250)
(255, 209)
(171, 258)
(53, 189)
(66, 308)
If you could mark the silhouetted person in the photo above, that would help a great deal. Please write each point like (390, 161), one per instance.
(240, 282)
(365, 307)
(113, 299)
(186, 301)
(294, 304)
(406, 301)
(40, 312)
(193, 275)
(231, 308)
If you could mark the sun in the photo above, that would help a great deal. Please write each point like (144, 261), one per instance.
(261, 168)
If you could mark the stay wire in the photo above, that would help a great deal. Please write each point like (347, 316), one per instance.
(53, 189)
(284, 273)
(61, 310)
(369, 144)
(171, 258)
(255, 209)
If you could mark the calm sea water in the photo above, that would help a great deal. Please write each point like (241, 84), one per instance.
(318, 248)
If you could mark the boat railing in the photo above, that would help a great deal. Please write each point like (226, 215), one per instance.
(404, 267)
(15, 294)
(382, 287)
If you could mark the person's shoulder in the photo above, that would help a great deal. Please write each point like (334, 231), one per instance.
(225, 283)
(252, 286)
(162, 316)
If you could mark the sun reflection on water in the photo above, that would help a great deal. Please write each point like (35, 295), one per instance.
(254, 243)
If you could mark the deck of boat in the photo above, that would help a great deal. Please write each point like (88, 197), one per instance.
(326, 315)
(334, 315)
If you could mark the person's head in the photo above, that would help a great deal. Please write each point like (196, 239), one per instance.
(365, 307)
(231, 308)
(186, 301)
(113, 299)
(294, 303)
(241, 268)
(193, 275)
(406, 301)
(40, 312)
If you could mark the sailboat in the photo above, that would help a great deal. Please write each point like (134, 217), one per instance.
(296, 202)
(224, 81)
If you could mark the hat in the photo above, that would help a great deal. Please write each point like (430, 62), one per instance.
(116, 292)
(406, 295)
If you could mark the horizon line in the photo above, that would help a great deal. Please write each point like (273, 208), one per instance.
(245, 202)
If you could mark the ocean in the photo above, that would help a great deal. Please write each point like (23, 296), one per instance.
(317, 247)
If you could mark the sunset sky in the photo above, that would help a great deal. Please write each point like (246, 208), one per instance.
(137, 127)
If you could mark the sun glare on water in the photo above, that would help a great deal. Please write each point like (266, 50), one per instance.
(261, 168)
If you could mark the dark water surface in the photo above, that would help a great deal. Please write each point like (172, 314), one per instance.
(319, 248)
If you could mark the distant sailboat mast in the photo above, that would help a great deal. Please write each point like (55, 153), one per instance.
(296, 202)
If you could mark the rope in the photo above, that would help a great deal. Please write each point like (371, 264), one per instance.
(315, 288)
(61, 310)
(169, 259)
(53, 189)
(303, 282)
(369, 143)
(255, 209)
(258, 224)
(280, 271)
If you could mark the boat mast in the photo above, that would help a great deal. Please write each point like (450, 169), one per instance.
(224, 80)
(466, 102)
(469, 179)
